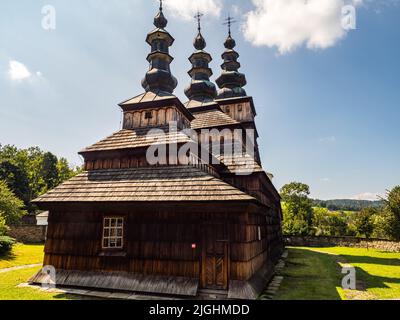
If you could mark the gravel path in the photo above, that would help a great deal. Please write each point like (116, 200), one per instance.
(20, 267)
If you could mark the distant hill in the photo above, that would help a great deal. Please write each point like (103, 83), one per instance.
(346, 204)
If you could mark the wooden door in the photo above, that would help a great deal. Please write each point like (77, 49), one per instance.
(215, 257)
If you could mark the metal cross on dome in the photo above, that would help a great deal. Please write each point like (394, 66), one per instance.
(229, 21)
(161, 5)
(198, 17)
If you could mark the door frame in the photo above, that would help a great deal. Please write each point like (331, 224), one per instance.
(203, 256)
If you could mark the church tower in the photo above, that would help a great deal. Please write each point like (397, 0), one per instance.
(180, 226)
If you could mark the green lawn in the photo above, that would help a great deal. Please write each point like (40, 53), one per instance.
(315, 274)
(9, 290)
(22, 254)
(310, 273)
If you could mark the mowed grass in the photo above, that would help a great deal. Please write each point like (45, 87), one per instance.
(22, 254)
(315, 274)
(9, 290)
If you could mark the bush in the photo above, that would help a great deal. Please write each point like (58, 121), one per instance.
(3, 227)
(6, 244)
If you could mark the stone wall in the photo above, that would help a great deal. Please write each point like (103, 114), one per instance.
(308, 241)
(28, 233)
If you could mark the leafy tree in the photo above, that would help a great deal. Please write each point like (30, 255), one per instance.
(383, 222)
(326, 223)
(64, 171)
(49, 170)
(363, 222)
(392, 206)
(31, 172)
(297, 209)
(16, 179)
(11, 208)
(3, 226)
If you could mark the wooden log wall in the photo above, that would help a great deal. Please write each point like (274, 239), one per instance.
(154, 118)
(241, 112)
(254, 243)
(161, 242)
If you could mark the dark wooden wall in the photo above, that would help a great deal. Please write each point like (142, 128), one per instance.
(160, 242)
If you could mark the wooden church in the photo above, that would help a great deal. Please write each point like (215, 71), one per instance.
(183, 226)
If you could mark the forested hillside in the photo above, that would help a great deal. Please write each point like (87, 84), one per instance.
(347, 204)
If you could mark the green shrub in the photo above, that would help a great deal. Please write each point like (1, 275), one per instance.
(6, 244)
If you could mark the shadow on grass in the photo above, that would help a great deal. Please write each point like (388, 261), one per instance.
(315, 275)
(373, 281)
(309, 275)
(9, 256)
(371, 260)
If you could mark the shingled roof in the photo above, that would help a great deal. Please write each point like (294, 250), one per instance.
(168, 183)
(240, 164)
(212, 119)
(129, 139)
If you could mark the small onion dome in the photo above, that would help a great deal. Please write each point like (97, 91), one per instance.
(230, 43)
(160, 21)
(199, 42)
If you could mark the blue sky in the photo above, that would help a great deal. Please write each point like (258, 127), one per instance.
(327, 100)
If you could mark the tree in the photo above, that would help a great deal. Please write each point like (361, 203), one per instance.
(64, 171)
(326, 223)
(297, 209)
(3, 226)
(11, 208)
(383, 222)
(31, 172)
(363, 222)
(16, 179)
(49, 170)
(392, 207)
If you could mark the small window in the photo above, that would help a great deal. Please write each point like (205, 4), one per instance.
(259, 234)
(228, 109)
(148, 115)
(240, 108)
(113, 233)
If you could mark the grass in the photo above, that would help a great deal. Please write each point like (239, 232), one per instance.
(315, 274)
(22, 254)
(310, 274)
(9, 290)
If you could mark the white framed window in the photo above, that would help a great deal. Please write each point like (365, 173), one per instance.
(113, 233)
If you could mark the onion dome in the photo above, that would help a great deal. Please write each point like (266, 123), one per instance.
(200, 88)
(159, 77)
(231, 81)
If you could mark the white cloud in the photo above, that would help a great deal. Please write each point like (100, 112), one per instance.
(367, 196)
(186, 9)
(18, 71)
(289, 24)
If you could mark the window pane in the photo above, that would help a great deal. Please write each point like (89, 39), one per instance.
(106, 233)
(112, 222)
(105, 243)
(106, 222)
(119, 243)
(120, 222)
(119, 233)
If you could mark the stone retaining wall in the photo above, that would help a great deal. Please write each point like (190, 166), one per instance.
(309, 241)
(28, 233)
